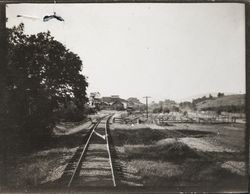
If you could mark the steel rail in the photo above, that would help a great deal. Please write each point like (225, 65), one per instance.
(82, 154)
(108, 149)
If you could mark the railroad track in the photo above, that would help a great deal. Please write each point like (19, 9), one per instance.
(93, 163)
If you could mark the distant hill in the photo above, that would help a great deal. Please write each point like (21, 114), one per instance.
(237, 100)
(190, 98)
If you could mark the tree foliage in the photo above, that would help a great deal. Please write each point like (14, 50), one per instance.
(187, 105)
(43, 77)
(220, 94)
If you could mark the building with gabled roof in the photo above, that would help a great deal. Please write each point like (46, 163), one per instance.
(114, 102)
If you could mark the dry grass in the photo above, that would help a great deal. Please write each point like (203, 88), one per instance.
(237, 100)
(189, 172)
(171, 151)
(47, 165)
(29, 174)
(202, 145)
(231, 136)
(151, 156)
(155, 168)
(240, 167)
(160, 158)
(137, 136)
(33, 170)
(71, 128)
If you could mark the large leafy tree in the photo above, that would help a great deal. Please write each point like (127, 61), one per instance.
(42, 77)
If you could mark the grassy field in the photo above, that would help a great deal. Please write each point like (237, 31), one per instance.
(182, 155)
(44, 166)
(179, 155)
(237, 100)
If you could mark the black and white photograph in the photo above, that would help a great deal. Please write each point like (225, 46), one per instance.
(123, 97)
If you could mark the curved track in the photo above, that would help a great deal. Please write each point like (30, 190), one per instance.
(92, 164)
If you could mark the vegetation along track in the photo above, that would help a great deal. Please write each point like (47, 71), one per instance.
(94, 164)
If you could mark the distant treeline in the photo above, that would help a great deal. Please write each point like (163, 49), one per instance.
(165, 109)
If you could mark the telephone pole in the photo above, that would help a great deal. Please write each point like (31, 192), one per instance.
(147, 97)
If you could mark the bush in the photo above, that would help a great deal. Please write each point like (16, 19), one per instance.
(157, 110)
(166, 110)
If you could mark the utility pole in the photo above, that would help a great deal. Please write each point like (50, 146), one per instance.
(147, 97)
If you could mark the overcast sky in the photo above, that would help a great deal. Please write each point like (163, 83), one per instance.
(172, 51)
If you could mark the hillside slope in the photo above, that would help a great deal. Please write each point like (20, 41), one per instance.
(230, 100)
